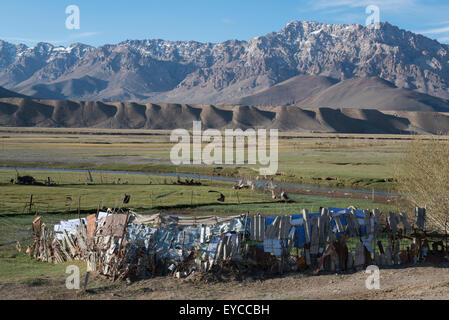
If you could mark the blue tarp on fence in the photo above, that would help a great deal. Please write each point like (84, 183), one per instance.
(300, 236)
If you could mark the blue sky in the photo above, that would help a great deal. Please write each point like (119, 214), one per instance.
(110, 22)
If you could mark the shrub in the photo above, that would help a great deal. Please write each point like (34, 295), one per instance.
(423, 177)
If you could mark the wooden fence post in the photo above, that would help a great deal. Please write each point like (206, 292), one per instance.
(79, 207)
(305, 215)
(31, 203)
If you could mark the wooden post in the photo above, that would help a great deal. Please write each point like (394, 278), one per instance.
(338, 224)
(395, 254)
(246, 223)
(183, 241)
(305, 215)
(324, 227)
(388, 258)
(420, 214)
(315, 236)
(359, 256)
(153, 262)
(31, 204)
(281, 265)
(297, 244)
(353, 224)
(79, 207)
(86, 279)
(377, 221)
(405, 223)
(393, 222)
(98, 210)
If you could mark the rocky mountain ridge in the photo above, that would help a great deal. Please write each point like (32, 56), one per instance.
(193, 72)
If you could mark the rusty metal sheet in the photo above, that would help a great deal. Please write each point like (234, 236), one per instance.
(37, 225)
(115, 225)
(91, 226)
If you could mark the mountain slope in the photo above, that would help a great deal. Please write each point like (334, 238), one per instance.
(193, 72)
(291, 91)
(5, 93)
(374, 93)
(73, 88)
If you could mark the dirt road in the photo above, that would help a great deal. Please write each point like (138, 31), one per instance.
(419, 282)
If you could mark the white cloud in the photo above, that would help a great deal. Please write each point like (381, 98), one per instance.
(444, 39)
(53, 42)
(436, 30)
(32, 41)
(440, 23)
(84, 35)
(227, 21)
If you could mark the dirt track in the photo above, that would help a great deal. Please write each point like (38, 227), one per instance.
(423, 282)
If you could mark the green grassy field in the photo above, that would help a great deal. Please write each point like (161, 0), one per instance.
(356, 161)
(148, 194)
(50, 203)
(359, 162)
(16, 266)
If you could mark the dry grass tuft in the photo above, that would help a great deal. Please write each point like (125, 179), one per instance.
(423, 176)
